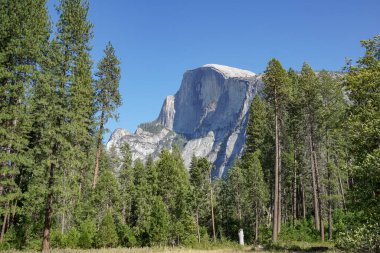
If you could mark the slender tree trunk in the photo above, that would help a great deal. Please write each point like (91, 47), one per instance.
(319, 193)
(197, 220)
(330, 222)
(5, 164)
(212, 210)
(341, 190)
(314, 182)
(329, 188)
(48, 211)
(279, 185)
(98, 150)
(3, 227)
(295, 189)
(257, 223)
(303, 201)
(276, 178)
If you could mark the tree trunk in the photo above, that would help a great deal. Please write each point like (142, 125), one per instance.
(303, 201)
(329, 188)
(212, 210)
(319, 193)
(48, 211)
(197, 220)
(314, 182)
(3, 227)
(279, 186)
(98, 150)
(257, 224)
(295, 189)
(276, 178)
(63, 222)
(341, 190)
(330, 222)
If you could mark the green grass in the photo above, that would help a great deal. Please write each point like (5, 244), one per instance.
(280, 247)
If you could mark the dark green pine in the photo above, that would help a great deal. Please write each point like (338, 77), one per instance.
(107, 97)
(24, 32)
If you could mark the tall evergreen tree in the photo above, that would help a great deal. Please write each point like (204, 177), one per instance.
(312, 100)
(257, 194)
(24, 35)
(108, 97)
(127, 182)
(199, 180)
(331, 115)
(295, 133)
(277, 82)
(63, 109)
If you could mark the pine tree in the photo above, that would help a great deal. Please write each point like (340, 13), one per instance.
(174, 189)
(257, 130)
(63, 109)
(257, 193)
(23, 36)
(312, 101)
(159, 223)
(106, 236)
(277, 82)
(295, 132)
(199, 180)
(107, 96)
(331, 115)
(107, 194)
(87, 230)
(127, 183)
(236, 188)
(257, 125)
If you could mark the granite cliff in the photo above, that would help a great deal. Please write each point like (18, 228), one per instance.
(206, 117)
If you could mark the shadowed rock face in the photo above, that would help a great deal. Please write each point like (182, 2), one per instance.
(206, 117)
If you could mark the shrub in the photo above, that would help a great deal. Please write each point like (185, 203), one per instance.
(364, 237)
(303, 230)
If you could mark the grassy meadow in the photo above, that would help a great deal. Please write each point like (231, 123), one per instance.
(280, 247)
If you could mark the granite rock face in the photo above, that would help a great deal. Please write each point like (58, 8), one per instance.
(206, 117)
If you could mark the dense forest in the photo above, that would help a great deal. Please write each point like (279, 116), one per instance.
(310, 171)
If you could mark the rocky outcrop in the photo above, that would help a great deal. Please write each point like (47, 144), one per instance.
(166, 117)
(206, 117)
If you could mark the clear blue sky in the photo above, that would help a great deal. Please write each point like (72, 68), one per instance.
(157, 41)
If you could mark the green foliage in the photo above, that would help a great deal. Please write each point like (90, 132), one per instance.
(364, 237)
(107, 235)
(106, 194)
(126, 236)
(23, 38)
(87, 230)
(276, 84)
(108, 97)
(257, 125)
(159, 225)
(302, 230)
(71, 239)
(151, 127)
(53, 116)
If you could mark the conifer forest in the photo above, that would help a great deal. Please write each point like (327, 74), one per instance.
(310, 171)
